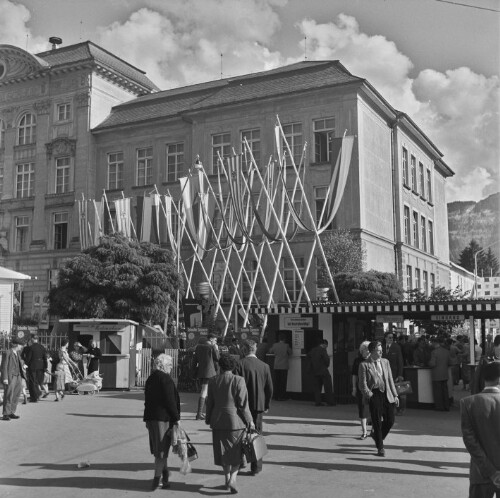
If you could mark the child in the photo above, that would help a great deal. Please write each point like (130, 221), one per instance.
(60, 379)
(47, 376)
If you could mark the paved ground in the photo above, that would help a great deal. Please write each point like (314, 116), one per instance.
(314, 452)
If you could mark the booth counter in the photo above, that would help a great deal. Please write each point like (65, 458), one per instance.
(421, 382)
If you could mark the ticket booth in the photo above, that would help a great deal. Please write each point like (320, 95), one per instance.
(117, 340)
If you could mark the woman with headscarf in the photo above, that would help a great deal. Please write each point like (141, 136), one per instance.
(162, 410)
(65, 362)
(229, 417)
(362, 408)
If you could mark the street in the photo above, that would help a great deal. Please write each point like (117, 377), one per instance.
(313, 452)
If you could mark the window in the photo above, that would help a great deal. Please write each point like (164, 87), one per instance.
(60, 230)
(63, 112)
(253, 139)
(417, 278)
(22, 232)
(409, 284)
(324, 131)
(290, 278)
(413, 173)
(144, 167)
(430, 228)
(421, 179)
(297, 201)
(221, 145)
(486, 293)
(2, 134)
(429, 186)
(320, 200)
(25, 180)
(405, 167)
(175, 161)
(27, 130)
(407, 224)
(415, 229)
(115, 170)
(53, 278)
(423, 237)
(425, 282)
(433, 282)
(62, 175)
(293, 135)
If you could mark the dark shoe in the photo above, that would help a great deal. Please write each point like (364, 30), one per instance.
(233, 489)
(363, 436)
(14, 416)
(57, 399)
(25, 399)
(381, 452)
(255, 472)
(5, 417)
(155, 484)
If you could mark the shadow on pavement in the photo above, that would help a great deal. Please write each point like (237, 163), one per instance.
(366, 468)
(95, 415)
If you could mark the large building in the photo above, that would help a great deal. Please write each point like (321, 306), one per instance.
(101, 125)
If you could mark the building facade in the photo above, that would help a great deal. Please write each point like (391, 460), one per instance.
(127, 141)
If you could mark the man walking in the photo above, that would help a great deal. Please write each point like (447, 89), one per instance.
(480, 416)
(439, 362)
(320, 361)
(206, 357)
(12, 375)
(258, 380)
(282, 352)
(377, 386)
(36, 361)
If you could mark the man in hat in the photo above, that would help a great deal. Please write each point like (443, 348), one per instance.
(12, 375)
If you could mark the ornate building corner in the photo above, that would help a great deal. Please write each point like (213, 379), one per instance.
(61, 146)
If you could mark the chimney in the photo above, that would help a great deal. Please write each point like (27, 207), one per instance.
(55, 40)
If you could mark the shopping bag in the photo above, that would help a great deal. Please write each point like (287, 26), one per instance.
(254, 446)
(403, 387)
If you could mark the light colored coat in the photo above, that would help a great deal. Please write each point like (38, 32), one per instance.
(367, 377)
(480, 417)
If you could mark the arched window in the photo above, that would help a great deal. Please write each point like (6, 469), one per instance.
(2, 134)
(27, 130)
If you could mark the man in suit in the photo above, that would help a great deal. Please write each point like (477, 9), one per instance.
(439, 362)
(320, 361)
(282, 352)
(12, 375)
(258, 380)
(377, 386)
(36, 361)
(480, 416)
(206, 357)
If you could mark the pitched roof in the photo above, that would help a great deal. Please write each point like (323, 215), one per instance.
(6, 274)
(88, 51)
(297, 77)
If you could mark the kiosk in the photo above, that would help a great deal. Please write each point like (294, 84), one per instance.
(117, 340)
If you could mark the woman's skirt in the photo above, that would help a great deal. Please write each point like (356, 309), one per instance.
(159, 438)
(362, 408)
(228, 447)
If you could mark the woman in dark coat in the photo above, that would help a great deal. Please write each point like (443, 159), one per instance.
(229, 416)
(93, 354)
(162, 410)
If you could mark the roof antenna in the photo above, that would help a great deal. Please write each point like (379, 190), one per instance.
(81, 29)
(27, 38)
(305, 48)
(221, 65)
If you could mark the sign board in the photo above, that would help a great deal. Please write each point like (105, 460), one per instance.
(99, 327)
(298, 339)
(389, 319)
(447, 318)
(297, 322)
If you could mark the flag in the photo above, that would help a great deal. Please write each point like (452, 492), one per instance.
(123, 221)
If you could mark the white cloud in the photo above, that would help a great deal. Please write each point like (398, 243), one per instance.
(13, 29)
(180, 42)
(458, 109)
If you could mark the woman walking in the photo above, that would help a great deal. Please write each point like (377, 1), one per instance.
(162, 410)
(64, 365)
(228, 416)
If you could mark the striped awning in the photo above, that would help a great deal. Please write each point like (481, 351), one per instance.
(478, 308)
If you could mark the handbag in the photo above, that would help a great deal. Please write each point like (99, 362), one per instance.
(403, 387)
(192, 454)
(254, 446)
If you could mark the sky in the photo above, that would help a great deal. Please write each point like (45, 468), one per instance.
(436, 60)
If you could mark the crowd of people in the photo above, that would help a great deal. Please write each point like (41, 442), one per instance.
(29, 366)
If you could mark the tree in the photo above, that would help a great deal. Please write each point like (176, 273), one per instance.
(119, 278)
(367, 286)
(343, 253)
(466, 259)
(491, 266)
